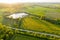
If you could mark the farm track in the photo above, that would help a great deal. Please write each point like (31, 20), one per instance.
(35, 32)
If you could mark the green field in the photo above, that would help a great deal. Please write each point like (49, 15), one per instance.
(44, 19)
(25, 37)
(40, 25)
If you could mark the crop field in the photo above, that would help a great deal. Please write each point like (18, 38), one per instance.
(40, 25)
(40, 22)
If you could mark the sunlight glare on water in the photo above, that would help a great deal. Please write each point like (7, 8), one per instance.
(18, 15)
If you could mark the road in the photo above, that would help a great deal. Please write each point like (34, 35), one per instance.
(35, 32)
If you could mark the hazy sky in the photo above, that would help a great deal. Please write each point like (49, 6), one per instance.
(15, 1)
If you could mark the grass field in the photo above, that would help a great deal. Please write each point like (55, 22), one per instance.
(25, 37)
(33, 22)
(40, 25)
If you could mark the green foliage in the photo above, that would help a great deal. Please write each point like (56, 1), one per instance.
(5, 32)
(29, 23)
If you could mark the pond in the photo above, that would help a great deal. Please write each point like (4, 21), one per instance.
(17, 15)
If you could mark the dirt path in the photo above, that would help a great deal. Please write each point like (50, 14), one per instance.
(35, 32)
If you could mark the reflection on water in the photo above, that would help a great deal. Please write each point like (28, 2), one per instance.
(18, 15)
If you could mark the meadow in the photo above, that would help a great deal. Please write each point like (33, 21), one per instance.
(42, 18)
